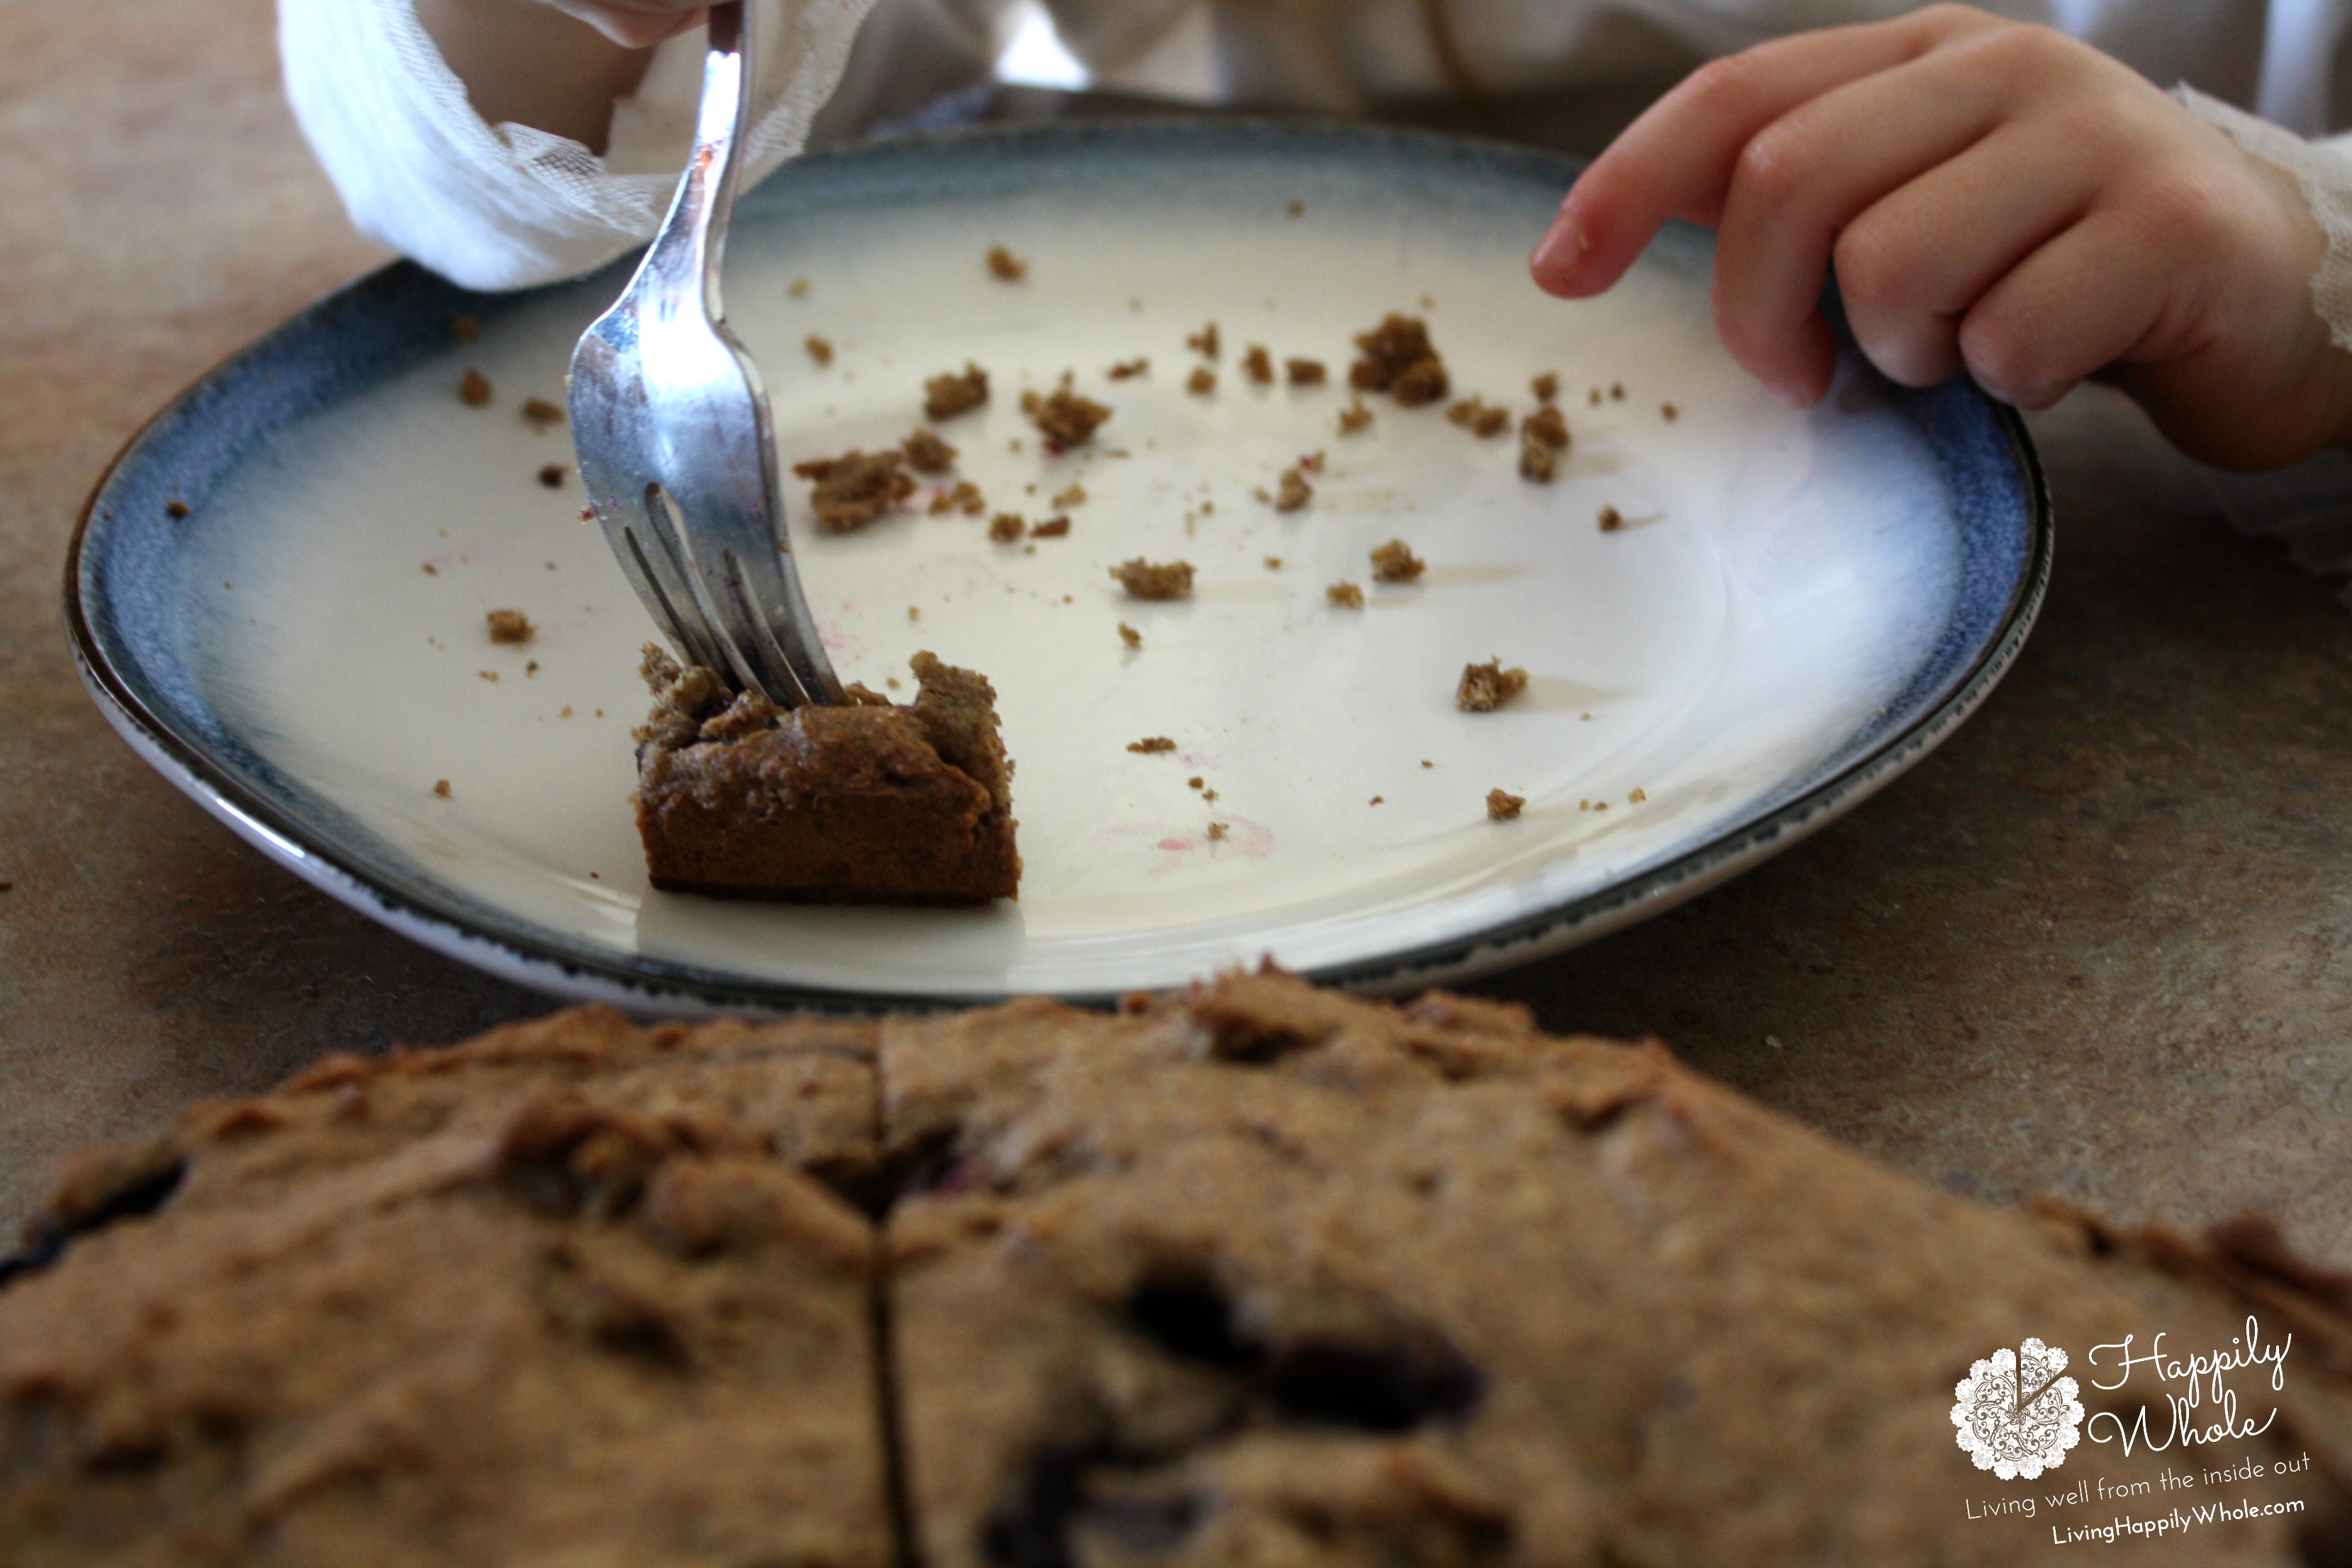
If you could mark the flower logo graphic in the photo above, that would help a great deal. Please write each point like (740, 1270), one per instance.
(2017, 1416)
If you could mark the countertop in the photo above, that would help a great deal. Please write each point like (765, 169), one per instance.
(2099, 945)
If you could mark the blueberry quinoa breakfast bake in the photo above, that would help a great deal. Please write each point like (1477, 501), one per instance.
(1253, 1273)
(868, 802)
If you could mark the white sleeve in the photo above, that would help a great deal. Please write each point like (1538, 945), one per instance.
(500, 207)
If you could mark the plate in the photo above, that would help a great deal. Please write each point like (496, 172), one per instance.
(1794, 608)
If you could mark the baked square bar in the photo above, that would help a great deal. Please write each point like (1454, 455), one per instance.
(869, 803)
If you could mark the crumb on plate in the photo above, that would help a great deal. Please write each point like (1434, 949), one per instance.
(1501, 806)
(955, 392)
(1395, 562)
(510, 626)
(852, 490)
(1486, 687)
(1155, 580)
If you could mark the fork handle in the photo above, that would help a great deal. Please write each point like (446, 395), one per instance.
(695, 251)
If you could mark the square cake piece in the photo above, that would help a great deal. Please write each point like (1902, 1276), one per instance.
(870, 802)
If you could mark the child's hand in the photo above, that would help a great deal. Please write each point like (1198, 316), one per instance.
(1993, 197)
(635, 24)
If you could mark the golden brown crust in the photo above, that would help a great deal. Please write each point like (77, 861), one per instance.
(569, 1293)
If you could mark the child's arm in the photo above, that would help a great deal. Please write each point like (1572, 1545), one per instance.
(557, 69)
(1992, 198)
(502, 142)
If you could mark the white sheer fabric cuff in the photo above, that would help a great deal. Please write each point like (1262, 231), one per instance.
(503, 206)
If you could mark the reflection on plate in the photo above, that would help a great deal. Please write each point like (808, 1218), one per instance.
(1796, 607)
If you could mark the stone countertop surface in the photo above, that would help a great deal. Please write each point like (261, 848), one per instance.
(2098, 946)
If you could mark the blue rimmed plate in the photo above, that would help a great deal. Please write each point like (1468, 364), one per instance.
(1794, 608)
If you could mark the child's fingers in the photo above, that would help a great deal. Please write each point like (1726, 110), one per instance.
(1802, 180)
(1909, 269)
(1676, 160)
(2079, 303)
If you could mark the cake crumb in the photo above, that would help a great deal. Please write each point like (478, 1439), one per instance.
(1006, 267)
(1395, 562)
(952, 392)
(797, 289)
(1052, 528)
(1347, 596)
(431, 570)
(1007, 527)
(1257, 364)
(465, 329)
(1546, 388)
(1637, 796)
(1376, 800)
(1129, 369)
(1273, 562)
(1427, 763)
(852, 490)
(1486, 687)
(1502, 806)
(539, 414)
(1611, 520)
(1481, 419)
(1543, 437)
(1297, 207)
(914, 612)
(926, 453)
(474, 389)
(1294, 492)
(1594, 397)
(1152, 743)
(819, 349)
(1130, 636)
(1669, 412)
(1202, 382)
(551, 475)
(1397, 357)
(1304, 372)
(1217, 830)
(1356, 417)
(1149, 580)
(441, 788)
(531, 668)
(1065, 419)
(1616, 392)
(1204, 341)
(176, 509)
(490, 674)
(963, 497)
(1195, 782)
(511, 627)
(1073, 495)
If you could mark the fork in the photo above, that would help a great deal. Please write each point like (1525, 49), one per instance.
(670, 424)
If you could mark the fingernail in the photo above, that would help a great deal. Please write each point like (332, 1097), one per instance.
(1561, 247)
(1792, 393)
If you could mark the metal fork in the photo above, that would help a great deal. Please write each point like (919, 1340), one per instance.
(671, 426)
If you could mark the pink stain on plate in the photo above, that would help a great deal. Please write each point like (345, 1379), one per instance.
(1172, 848)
